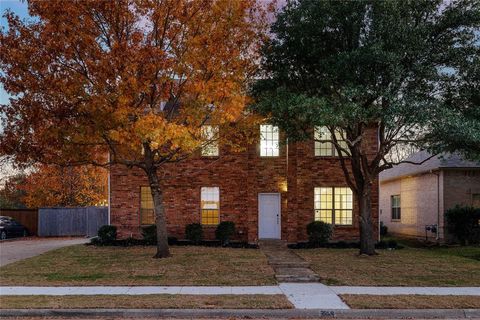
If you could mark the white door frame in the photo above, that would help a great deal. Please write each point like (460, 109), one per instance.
(279, 196)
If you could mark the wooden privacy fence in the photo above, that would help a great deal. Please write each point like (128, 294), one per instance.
(71, 221)
(27, 217)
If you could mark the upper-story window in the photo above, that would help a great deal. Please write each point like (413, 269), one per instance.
(323, 142)
(210, 138)
(269, 141)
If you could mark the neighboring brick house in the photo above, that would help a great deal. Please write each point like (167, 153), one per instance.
(271, 190)
(415, 196)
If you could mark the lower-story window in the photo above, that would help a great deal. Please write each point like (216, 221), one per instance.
(334, 205)
(396, 208)
(210, 205)
(476, 200)
(147, 215)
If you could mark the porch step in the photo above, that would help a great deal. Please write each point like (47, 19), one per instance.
(272, 244)
(289, 264)
(297, 279)
(296, 275)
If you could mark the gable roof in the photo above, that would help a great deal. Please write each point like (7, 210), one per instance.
(442, 161)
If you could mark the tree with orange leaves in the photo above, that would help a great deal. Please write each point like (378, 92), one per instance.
(54, 186)
(136, 79)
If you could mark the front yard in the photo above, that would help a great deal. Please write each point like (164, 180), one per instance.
(89, 265)
(459, 266)
(161, 301)
(200, 266)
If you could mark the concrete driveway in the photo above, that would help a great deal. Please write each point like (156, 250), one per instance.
(11, 251)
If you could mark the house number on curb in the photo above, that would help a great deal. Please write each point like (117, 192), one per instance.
(327, 314)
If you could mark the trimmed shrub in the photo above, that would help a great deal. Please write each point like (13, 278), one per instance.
(342, 244)
(194, 232)
(172, 241)
(149, 234)
(392, 244)
(381, 245)
(463, 223)
(319, 232)
(383, 229)
(107, 234)
(95, 241)
(130, 242)
(224, 231)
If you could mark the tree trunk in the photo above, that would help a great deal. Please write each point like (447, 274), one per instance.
(157, 195)
(367, 234)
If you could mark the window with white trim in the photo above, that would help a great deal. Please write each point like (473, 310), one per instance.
(210, 138)
(210, 205)
(333, 205)
(269, 141)
(396, 208)
(324, 146)
(147, 214)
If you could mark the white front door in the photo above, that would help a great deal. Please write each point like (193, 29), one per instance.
(269, 217)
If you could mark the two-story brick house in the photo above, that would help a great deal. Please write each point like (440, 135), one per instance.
(271, 190)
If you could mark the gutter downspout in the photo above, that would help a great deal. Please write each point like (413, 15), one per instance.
(437, 237)
(287, 160)
(379, 211)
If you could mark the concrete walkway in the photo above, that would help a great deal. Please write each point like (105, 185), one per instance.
(288, 266)
(11, 251)
(312, 296)
(282, 288)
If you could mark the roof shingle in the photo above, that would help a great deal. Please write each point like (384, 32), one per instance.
(441, 161)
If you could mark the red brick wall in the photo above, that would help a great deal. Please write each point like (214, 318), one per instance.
(240, 177)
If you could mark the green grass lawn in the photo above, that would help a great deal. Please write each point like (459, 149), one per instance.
(89, 265)
(455, 266)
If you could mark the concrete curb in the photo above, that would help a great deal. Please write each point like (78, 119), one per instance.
(246, 313)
